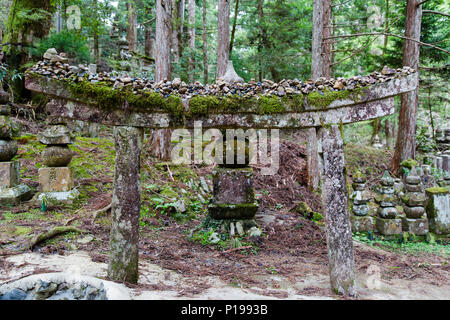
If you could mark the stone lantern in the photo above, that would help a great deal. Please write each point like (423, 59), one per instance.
(11, 191)
(387, 222)
(56, 179)
(414, 202)
(360, 197)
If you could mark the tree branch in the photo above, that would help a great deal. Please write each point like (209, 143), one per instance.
(386, 34)
(436, 12)
(422, 2)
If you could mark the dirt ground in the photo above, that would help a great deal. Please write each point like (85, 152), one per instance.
(288, 261)
(172, 267)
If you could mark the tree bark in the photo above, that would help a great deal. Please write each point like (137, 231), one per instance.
(388, 132)
(125, 206)
(223, 37)
(162, 44)
(131, 25)
(191, 32)
(177, 27)
(326, 44)
(149, 45)
(160, 139)
(95, 36)
(233, 30)
(317, 39)
(341, 262)
(260, 39)
(320, 67)
(406, 136)
(205, 45)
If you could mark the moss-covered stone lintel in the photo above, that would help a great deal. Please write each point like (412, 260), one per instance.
(153, 110)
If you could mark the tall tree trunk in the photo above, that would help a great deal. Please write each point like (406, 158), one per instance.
(326, 45)
(162, 43)
(160, 139)
(320, 67)
(405, 147)
(149, 45)
(58, 19)
(95, 36)
(223, 38)
(389, 134)
(131, 25)
(317, 39)
(177, 24)
(233, 30)
(205, 45)
(191, 32)
(260, 39)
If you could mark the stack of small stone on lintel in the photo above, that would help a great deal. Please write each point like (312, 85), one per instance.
(11, 191)
(414, 202)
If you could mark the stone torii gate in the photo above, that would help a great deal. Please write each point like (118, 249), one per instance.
(370, 102)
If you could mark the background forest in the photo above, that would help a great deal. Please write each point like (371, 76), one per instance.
(269, 39)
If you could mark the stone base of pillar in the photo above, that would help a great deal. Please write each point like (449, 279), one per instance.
(362, 223)
(65, 197)
(15, 195)
(232, 211)
(418, 227)
(388, 227)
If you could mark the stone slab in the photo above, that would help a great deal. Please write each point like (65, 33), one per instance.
(416, 226)
(15, 195)
(232, 211)
(66, 197)
(58, 179)
(388, 226)
(362, 224)
(9, 174)
(233, 186)
(438, 210)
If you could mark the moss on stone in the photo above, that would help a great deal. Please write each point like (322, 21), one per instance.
(322, 99)
(437, 190)
(410, 163)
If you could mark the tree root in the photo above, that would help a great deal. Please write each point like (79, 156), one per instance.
(97, 214)
(52, 233)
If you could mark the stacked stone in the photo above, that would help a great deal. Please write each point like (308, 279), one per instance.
(231, 85)
(387, 222)
(414, 202)
(11, 191)
(442, 159)
(438, 210)
(56, 179)
(360, 197)
(233, 195)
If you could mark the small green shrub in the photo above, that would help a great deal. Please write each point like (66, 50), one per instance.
(66, 41)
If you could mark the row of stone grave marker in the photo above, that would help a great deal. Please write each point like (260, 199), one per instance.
(424, 209)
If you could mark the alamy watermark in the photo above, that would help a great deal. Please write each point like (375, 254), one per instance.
(250, 146)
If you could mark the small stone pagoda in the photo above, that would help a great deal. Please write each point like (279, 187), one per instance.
(11, 191)
(233, 195)
(360, 198)
(414, 202)
(387, 222)
(56, 179)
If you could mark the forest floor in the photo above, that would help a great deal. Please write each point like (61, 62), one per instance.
(177, 261)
